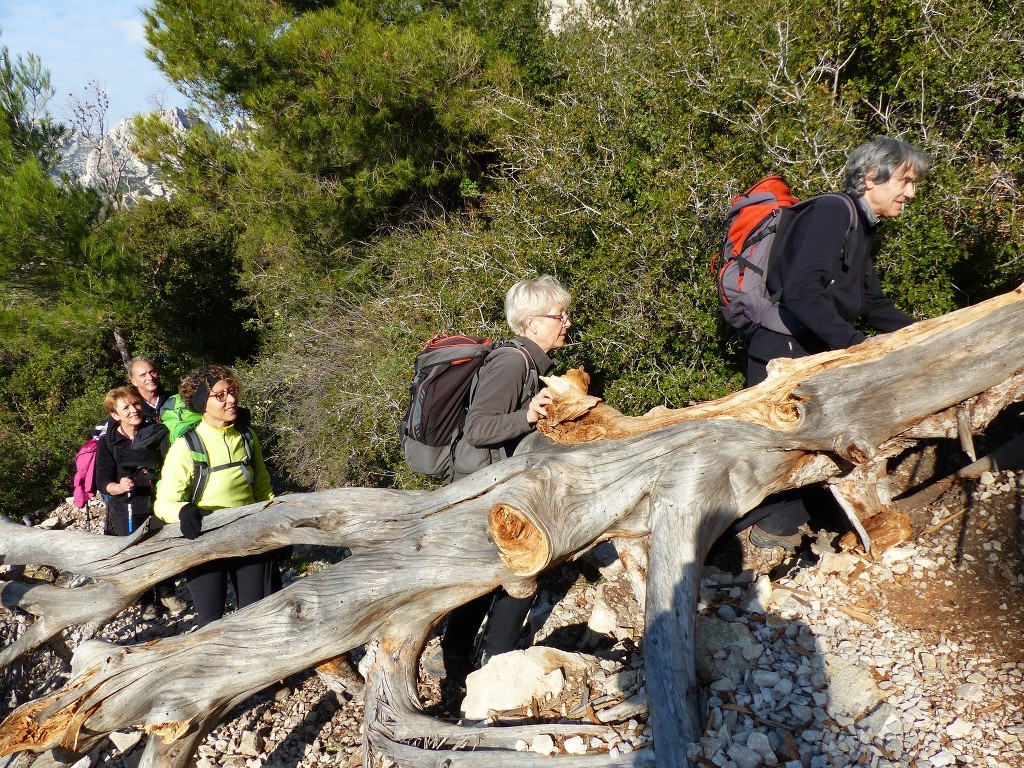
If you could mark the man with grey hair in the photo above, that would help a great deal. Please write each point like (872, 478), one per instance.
(827, 282)
(143, 376)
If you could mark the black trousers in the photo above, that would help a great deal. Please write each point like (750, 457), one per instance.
(781, 513)
(253, 578)
(508, 615)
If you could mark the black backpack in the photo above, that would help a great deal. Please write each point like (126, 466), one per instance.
(444, 377)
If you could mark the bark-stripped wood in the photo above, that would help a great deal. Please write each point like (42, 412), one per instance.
(681, 475)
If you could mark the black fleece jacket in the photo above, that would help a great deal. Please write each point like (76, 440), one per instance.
(824, 295)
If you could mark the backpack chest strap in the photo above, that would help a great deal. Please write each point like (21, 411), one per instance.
(201, 463)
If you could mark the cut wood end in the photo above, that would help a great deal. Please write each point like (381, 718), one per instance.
(887, 529)
(524, 549)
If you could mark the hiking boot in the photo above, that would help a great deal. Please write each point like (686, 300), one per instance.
(763, 539)
(433, 663)
(150, 612)
(174, 604)
(436, 665)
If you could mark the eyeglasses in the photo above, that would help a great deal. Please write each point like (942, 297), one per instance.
(562, 318)
(222, 394)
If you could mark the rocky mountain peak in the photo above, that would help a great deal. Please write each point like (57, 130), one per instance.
(104, 161)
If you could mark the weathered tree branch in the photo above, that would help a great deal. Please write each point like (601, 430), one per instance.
(681, 475)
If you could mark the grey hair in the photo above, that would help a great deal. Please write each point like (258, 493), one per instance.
(139, 359)
(881, 158)
(532, 298)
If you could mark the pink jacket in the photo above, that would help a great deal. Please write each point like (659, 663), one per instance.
(84, 482)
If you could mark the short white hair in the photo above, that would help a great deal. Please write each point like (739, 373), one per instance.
(533, 298)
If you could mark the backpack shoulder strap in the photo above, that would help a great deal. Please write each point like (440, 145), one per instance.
(247, 439)
(532, 374)
(245, 466)
(201, 461)
(200, 464)
(851, 232)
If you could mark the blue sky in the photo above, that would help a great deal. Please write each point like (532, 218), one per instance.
(84, 40)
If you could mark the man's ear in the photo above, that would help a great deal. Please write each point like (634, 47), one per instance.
(869, 181)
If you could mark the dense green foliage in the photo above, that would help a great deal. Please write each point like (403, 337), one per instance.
(385, 171)
(79, 293)
(26, 129)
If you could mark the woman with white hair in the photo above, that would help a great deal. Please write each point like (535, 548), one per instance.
(506, 406)
(508, 401)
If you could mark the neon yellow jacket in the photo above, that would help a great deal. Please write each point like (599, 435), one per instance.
(225, 489)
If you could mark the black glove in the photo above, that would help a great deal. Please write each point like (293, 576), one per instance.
(191, 520)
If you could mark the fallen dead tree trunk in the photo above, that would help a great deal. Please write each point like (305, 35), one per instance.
(681, 475)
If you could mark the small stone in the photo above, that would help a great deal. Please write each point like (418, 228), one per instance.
(575, 745)
(251, 744)
(759, 742)
(829, 562)
(851, 689)
(744, 577)
(752, 651)
(723, 684)
(124, 741)
(970, 692)
(743, 756)
(543, 745)
(759, 596)
(897, 554)
(765, 678)
(883, 721)
(602, 619)
(958, 729)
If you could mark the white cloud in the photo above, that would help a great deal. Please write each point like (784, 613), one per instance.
(132, 31)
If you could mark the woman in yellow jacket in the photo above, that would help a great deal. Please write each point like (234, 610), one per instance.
(235, 476)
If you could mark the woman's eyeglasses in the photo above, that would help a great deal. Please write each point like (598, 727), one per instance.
(562, 318)
(222, 394)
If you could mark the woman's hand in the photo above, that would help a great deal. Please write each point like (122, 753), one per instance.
(124, 485)
(190, 517)
(538, 406)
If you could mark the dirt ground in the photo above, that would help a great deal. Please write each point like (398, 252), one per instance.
(976, 526)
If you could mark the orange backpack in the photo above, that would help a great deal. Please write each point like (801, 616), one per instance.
(756, 222)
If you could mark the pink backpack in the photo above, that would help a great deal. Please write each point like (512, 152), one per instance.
(84, 482)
